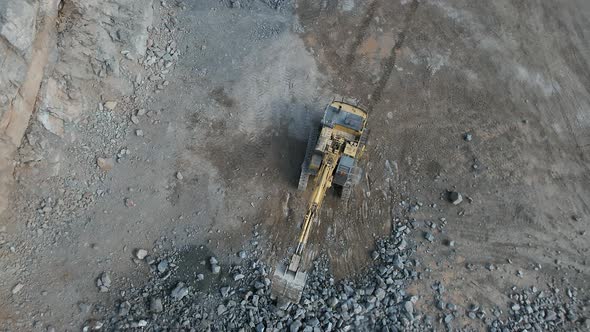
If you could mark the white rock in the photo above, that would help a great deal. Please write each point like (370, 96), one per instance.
(110, 105)
(141, 253)
(17, 288)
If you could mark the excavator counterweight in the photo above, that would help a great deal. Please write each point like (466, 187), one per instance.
(331, 158)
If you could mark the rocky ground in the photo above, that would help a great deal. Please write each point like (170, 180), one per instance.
(154, 187)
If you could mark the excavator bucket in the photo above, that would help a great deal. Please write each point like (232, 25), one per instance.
(287, 285)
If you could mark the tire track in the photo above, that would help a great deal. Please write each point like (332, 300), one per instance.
(390, 62)
(362, 32)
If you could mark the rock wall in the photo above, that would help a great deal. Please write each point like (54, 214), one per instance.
(26, 30)
(59, 58)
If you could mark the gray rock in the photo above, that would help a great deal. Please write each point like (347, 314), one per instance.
(103, 282)
(150, 259)
(221, 309)
(428, 236)
(238, 277)
(156, 304)
(332, 302)
(380, 293)
(455, 197)
(550, 315)
(313, 322)
(409, 307)
(224, 291)
(179, 292)
(242, 254)
(260, 327)
(215, 269)
(17, 288)
(213, 261)
(124, 308)
(163, 266)
(467, 137)
(295, 325)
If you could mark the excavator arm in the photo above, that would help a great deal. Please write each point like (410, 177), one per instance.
(288, 283)
(322, 183)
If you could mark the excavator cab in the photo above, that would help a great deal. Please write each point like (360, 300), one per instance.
(332, 155)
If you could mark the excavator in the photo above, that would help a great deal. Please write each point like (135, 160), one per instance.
(331, 158)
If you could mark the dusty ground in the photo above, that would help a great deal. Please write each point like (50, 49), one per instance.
(233, 120)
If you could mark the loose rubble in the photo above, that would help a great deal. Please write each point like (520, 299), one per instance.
(103, 282)
(374, 300)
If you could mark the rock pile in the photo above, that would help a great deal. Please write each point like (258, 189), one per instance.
(375, 300)
(532, 309)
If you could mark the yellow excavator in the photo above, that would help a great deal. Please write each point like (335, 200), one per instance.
(332, 159)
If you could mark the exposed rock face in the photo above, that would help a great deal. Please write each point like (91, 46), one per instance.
(57, 60)
(95, 36)
(26, 28)
(18, 24)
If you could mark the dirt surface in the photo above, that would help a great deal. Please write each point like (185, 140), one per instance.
(232, 119)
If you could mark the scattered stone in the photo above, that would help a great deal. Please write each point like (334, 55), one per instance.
(156, 304)
(448, 318)
(455, 198)
(215, 269)
(295, 325)
(140, 254)
(380, 294)
(221, 309)
(129, 203)
(139, 132)
(103, 282)
(467, 137)
(550, 315)
(180, 177)
(238, 277)
(242, 254)
(163, 266)
(105, 164)
(409, 307)
(110, 105)
(17, 288)
(179, 292)
(429, 236)
(149, 259)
